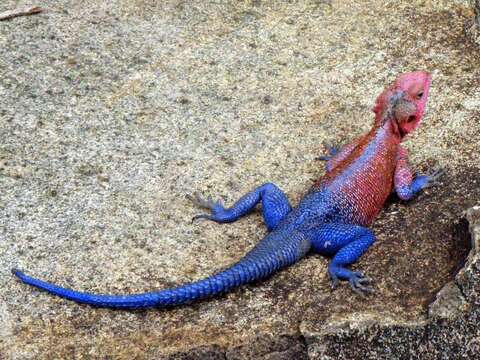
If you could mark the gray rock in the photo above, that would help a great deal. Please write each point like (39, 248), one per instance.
(477, 13)
(110, 112)
(451, 329)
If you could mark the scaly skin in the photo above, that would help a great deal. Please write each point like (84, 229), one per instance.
(331, 219)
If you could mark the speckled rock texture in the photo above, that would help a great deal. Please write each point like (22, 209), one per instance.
(450, 329)
(477, 13)
(474, 29)
(110, 112)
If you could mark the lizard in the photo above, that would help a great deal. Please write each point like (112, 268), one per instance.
(332, 219)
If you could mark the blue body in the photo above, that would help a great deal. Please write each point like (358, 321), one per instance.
(331, 219)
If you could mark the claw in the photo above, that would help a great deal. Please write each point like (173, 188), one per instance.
(437, 172)
(433, 178)
(201, 202)
(201, 216)
(332, 151)
(359, 274)
(323, 158)
(335, 281)
(361, 290)
(365, 281)
(357, 280)
(357, 283)
(216, 208)
(193, 198)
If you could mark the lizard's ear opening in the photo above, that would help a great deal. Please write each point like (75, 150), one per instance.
(404, 111)
(406, 116)
(416, 85)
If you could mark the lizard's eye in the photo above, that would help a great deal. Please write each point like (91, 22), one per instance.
(419, 95)
(411, 118)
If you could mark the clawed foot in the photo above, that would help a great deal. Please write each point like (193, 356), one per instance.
(432, 179)
(357, 281)
(332, 151)
(215, 207)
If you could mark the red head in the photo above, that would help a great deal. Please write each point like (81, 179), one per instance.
(403, 103)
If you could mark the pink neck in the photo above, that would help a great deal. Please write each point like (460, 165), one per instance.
(390, 131)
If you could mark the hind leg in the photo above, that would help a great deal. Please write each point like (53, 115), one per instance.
(275, 206)
(346, 243)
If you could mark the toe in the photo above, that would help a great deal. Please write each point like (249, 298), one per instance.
(437, 173)
(190, 197)
(360, 289)
(334, 280)
(364, 280)
(334, 283)
(201, 216)
(359, 274)
(196, 199)
(358, 284)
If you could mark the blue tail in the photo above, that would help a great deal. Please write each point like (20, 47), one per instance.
(274, 252)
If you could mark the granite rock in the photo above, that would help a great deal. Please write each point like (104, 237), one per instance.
(110, 112)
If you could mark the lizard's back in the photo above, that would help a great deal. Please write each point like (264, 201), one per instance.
(356, 189)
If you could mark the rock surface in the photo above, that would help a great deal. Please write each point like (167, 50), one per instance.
(110, 113)
(449, 330)
(474, 28)
(477, 13)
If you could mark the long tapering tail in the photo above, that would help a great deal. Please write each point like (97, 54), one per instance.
(277, 250)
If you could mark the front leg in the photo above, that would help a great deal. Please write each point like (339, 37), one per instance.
(407, 185)
(275, 206)
(336, 155)
(346, 243)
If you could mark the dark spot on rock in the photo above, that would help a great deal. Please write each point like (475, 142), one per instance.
(103, 178)
(267, 99)
(461, 245)
(88, 169)
(71, 62)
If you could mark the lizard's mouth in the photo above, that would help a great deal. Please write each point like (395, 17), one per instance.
(404, 128)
